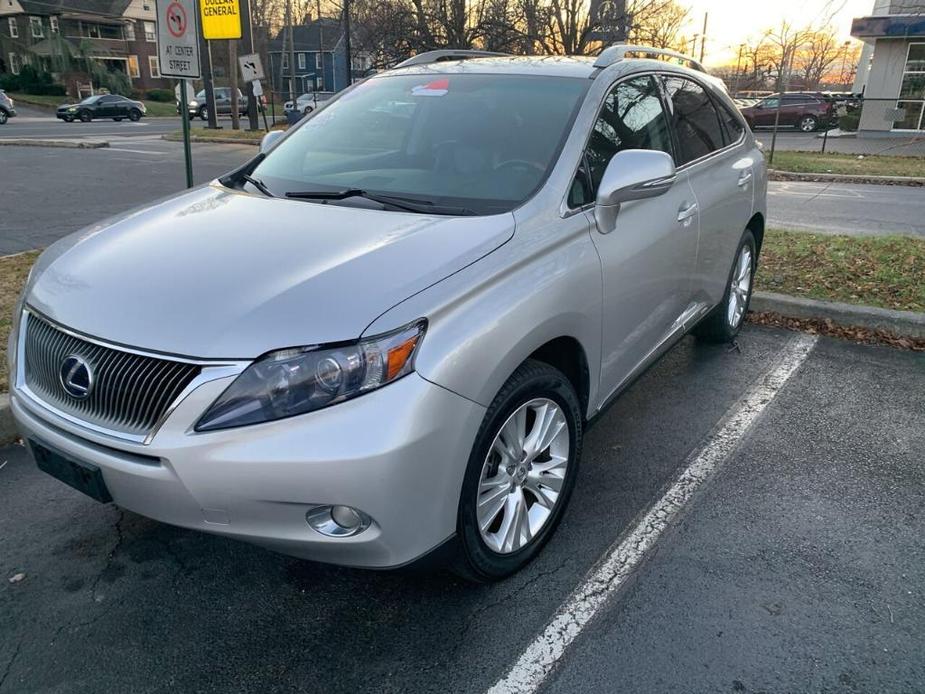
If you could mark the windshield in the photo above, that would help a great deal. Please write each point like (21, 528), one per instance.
(481, 142)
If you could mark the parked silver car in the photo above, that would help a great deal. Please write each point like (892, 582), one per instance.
(384, 336)
(7, 109)
(308, 102)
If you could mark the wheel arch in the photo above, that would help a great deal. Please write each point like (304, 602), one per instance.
(756, 226)
(566, 354)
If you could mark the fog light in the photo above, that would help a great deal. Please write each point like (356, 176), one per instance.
(337, 521)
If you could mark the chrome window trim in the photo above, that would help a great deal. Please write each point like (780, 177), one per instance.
(211, 370)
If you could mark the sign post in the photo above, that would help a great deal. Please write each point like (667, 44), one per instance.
(252, 72)
(178, 56)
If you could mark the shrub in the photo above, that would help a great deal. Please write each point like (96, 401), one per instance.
(31, 81)
(162, 95)
(850, 121)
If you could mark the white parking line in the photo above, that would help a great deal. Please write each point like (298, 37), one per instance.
(606, 578)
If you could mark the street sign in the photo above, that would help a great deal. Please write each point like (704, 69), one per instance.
(258, 88)
(251, 67)
(221, 19)
(187, 88)
(177, 39)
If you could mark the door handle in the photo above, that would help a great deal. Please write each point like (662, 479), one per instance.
(686, 213)
(745, 178)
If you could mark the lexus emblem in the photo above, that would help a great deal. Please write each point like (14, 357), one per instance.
(76, 377)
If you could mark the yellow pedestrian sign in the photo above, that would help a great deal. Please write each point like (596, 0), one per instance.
(221, 19)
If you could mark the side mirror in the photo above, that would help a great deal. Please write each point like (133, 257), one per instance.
(633, 174)
(270, 139)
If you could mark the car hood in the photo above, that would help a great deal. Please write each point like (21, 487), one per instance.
(215, 273)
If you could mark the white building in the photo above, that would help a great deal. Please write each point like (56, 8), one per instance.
(891, 73)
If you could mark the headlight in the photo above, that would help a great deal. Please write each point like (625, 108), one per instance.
(193, 103)
(72, 109)
(299, 380)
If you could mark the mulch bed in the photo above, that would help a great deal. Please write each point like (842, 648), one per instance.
(829, 328)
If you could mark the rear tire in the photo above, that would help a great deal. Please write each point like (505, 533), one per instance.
(808, 124)
(723, 323)
(502, 523)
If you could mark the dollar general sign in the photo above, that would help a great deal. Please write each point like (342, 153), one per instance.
(221, 19)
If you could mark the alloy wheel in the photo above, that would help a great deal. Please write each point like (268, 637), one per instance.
(739, 288)
(808, 124)
(523, 476)
(3, 117)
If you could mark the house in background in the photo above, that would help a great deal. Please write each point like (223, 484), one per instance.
(891, 73)
(320, 57)
(119, 34)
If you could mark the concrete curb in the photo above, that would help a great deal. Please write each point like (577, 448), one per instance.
(900, 323)
(8, 432)
(72, 144)
(776, 175)
(213, 140)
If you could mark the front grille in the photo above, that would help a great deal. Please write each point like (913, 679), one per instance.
(130, 392)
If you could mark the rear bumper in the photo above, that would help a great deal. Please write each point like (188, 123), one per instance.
(398, 454)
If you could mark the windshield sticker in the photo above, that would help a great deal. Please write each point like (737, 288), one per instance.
(435, 88)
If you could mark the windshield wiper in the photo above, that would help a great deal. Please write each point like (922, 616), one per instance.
(258, 184)
(406, 204)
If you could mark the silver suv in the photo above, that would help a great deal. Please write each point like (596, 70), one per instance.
(386, 333)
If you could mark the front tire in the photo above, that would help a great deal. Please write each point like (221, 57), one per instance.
(204, 113)
(520, 474)
(134, 115)
(723, 323)
(3, 117)
(85, 117)
(118, 119)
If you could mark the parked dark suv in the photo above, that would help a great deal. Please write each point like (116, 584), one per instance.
(6, 108)
(102, 106)
(197, 105)
(807, 111)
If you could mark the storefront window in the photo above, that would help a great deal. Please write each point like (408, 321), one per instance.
(912, 91)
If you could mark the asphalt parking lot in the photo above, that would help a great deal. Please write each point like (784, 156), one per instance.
(797, 566)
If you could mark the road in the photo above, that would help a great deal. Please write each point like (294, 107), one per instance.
(797, 567)
(35, 123)
(51, 192)
(838, 208)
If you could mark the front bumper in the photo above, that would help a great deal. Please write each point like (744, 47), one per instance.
(398, 454)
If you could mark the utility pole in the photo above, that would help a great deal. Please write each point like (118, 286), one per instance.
(292, 94)
(247, 34)
(205, 52)
(693, 49)
(347, 42)
(233, 80)
(703, 37)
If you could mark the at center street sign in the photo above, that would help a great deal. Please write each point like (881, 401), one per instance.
(178, 39)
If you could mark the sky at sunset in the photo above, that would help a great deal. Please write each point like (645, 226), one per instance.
(732, 21)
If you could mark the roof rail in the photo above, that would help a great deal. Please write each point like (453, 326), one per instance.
(617, 52)
(447, 54)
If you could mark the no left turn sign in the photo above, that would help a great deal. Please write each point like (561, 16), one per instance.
(178, 39)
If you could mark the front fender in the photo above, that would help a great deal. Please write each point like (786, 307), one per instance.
(485, 320)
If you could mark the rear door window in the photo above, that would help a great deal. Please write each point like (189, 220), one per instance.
(695, 119)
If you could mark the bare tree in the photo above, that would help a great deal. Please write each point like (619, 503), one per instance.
(819, 52)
